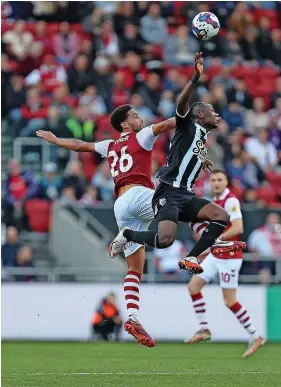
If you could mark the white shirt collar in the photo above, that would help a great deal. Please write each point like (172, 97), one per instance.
(223, 195)
(125, 133)
(201, 128)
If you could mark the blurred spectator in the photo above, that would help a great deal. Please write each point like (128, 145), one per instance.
(249, 44)
(34, 112)
(50, 184)
(106, 320)
(120, 93)
(93, 101)
(107, 41)
(10, 248)
(63, 101)
(224, 79)
(264, 40)
(49, 75)
(14, 95)
(275, 52)
(230, 143)
(270, 235)
(103, 79)
(124, 15)
(89, 199)
(41, 36)
(151, 92)
(153, 26)
(180, 47)
(257, 117)
(241, 19)
(171, 80)
(250, 197)
(234, 50)
(137, 104)
(74, 178)
(93, 22)
(239, 93)
(79, 75)
(263, 151)
(167, 105)
(65, 44)
(132, 41)
(86, 48)
(18, 187)
(234, 116)
(218, 97)
(18, 41)
(24, 260)
(166, 260)
(79, 125)
(244, 171)
(68, 196)
(103, 182)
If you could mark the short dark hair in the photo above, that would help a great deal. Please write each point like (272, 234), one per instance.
(195, 107)
(215, 171)
(118, 116)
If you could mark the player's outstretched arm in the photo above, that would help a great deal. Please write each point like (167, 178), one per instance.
(72, 144)
(164, 126)
(182, 103)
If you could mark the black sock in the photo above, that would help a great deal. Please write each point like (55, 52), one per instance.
(210, 234)
(149, 238)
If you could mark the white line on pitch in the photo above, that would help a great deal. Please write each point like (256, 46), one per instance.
(144, 373)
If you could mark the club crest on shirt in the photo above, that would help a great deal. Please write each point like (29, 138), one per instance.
(200, 150)
(162, 202)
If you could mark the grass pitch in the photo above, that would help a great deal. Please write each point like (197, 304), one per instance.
(27, 364)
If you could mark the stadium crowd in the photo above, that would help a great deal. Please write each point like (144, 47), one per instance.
(67, 65)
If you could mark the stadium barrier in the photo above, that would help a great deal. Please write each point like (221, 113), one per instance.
(63, 311)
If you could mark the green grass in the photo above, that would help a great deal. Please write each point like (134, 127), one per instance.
(130, 365)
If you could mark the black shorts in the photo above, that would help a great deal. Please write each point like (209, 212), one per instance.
(176, 204)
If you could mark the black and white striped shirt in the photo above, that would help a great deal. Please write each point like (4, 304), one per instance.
(187, 153)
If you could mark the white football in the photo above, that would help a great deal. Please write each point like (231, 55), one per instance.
(205, 25)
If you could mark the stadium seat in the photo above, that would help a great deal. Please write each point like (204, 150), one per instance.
(267, 194)
(39, 213)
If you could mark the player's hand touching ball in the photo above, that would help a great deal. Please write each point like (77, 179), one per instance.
(198, 63)
(48, 136)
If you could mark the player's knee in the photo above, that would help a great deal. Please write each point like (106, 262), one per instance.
(228, 301)
(220, 214)
(192, 288)
(166, 241)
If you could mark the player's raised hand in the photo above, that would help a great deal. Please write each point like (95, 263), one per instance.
(48, 136)
(198, 63)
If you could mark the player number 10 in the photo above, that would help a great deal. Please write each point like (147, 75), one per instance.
(125, 162)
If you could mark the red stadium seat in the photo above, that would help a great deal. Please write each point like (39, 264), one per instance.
(39, 214)
(267, 194)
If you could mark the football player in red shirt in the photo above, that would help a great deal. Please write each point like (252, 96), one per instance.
(130, 161)
(226, 264)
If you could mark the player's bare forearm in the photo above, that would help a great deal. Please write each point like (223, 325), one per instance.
(164, 126)
(183, 100)
(71, 144)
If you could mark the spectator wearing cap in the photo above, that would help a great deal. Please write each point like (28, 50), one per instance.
(262, 150)
(153, 26)
(50, 184)
(49, 75)
(65, 44)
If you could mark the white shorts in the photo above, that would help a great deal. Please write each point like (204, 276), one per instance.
(134, 210)
(227, 269)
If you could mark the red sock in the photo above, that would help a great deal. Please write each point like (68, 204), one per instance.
(243, 316)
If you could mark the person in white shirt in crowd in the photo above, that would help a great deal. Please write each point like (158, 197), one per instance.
(266, 240)
(256, 118)
(18, 40)
(93, 100)
(166, 260)
(262, 150)
(145, 112)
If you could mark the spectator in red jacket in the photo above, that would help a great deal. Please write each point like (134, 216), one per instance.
(34, 112)
(50, 75)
